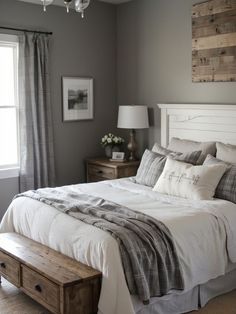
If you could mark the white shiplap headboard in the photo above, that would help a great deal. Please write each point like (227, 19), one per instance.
(199, 122)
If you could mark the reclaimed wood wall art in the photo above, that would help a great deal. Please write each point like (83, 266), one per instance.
(214, 41)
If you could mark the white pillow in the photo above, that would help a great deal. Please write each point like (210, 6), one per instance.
(226, 152)
(185, 146)
(188, 181)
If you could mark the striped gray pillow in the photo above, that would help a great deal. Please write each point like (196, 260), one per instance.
(226, 188)
(152, 165)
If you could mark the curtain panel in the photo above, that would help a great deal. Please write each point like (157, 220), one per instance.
(37, 168)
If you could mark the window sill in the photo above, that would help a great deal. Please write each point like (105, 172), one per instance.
(9, 173)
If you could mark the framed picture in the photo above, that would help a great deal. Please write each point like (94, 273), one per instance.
(118, 156)
(77, 97)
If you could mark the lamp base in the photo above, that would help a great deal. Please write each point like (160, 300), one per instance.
(132, 146)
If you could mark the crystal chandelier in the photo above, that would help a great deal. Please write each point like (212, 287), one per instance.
(80, 5)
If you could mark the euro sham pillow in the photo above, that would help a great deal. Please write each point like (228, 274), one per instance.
(188, 181)
(226, 152)
(226, 189)
(167, 152)
(161, 150)
(184, 146)
(152, 165)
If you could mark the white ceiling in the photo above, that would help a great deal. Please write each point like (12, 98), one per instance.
(61, 2)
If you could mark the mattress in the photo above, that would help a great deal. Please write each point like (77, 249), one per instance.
(203, 233)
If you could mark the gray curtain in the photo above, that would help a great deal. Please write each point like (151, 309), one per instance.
(36, 136)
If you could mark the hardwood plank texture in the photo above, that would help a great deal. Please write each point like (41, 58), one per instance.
(214, 41)
(213, 7)
(213, 20)
(217, 41)
(65, 270)
(213, 30)
(61, 284)
(99, 169)
(13, 301)
(10, 269)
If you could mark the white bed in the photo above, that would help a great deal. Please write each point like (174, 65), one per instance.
(200, 228)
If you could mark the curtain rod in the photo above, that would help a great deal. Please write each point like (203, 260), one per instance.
(25, 30)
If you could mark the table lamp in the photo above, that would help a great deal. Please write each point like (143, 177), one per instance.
(132, 117)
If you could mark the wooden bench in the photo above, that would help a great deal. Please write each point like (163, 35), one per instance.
(56, 281)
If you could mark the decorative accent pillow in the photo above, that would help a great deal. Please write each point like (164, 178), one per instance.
(191, 155)
(226, 189)
(152, 165)
(184, 146)
(188, 181)
(226, 152)
(161, 150)
(150, 168)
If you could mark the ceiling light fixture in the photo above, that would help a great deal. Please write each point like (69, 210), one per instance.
(45, 3)
(80, 5)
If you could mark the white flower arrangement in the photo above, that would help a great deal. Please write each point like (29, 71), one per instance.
(111, 139)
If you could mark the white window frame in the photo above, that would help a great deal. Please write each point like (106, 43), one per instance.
(10, 171)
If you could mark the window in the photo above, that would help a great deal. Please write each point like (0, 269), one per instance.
(9, 152)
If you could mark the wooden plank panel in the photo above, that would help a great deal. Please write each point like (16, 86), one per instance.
(219, 120)
(212, 30)
(202, 135)
(188, 125)
(215, 68)
(199, 112)
(215, 19)
(215, 78)
(218, 41)
(213, 7)
(214, 41)
(208, 53)
(213, 61)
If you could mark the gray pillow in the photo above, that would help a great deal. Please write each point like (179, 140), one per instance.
(184, 146)
(161, 150)
(226, 152)
(152, 165)
(226, 188)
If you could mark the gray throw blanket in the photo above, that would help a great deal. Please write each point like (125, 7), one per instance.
(148, 253)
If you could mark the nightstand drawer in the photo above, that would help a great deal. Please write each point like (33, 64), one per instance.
(10, 269)
(92, 178)
(101, 172)
(99, 169)
(41, 289)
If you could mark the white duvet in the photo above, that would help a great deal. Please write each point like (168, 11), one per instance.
(204, 234)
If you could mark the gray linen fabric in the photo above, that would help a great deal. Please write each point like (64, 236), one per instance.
(150, 168)
(184, 146)
(152, 165)
(226, 189)
(36, 137)
(148, 253)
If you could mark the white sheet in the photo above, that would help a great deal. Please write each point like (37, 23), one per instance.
(200, 237)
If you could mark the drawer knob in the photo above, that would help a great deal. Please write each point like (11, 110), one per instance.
(100, 171)
(38, 288)
(3, 265)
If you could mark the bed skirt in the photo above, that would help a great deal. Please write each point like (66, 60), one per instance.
(192, 300)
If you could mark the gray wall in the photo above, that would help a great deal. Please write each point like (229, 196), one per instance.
(154, 59)
(79, 48)
(8, 188)
(151, 43)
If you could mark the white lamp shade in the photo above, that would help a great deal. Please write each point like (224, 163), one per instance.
(133, 117)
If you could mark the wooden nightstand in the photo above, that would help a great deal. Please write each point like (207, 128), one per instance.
(99, 169)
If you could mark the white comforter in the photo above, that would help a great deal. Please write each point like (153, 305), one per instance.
(200, 230)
